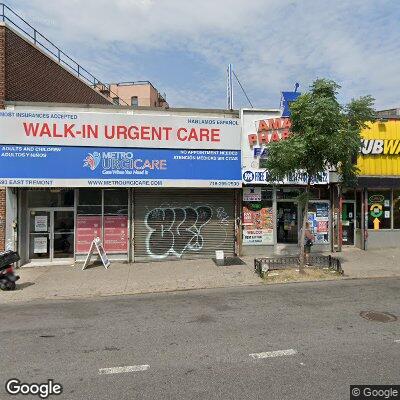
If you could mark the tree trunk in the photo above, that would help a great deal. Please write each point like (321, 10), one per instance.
(303, 230)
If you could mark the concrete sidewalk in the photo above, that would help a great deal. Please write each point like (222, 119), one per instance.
(371, 263)
(55, 282)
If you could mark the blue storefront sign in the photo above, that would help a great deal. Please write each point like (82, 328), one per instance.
(48, 166)
(286, 99)
(298, 178)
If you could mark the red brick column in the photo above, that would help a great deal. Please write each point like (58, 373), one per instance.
(2, 66)
(2, 98)
(2, 218)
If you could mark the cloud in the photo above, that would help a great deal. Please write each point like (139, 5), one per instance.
(272, 44)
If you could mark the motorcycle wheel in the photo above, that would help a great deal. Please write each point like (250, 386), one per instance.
(11, 286)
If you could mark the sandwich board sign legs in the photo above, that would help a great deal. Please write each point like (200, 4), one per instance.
(96, 244)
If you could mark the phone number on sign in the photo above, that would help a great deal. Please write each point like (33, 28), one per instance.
(225, 183)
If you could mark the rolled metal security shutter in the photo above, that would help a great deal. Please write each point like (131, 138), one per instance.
(183, 223)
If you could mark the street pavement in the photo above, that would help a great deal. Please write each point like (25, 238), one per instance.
(69, 281)
(208, 344)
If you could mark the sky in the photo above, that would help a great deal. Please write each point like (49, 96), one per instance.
(184, 46)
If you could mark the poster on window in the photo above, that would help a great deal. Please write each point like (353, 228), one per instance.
(40, 245)
(322, 226)
(258, 226)
(40, 223)
(318, 217)
(258, 236)
(252, 194)
(116, 233)
(322, 211)
(88, 227)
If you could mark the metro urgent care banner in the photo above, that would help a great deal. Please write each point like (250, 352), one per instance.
(104, 129)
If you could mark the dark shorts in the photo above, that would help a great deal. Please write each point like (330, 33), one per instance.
(307, 249)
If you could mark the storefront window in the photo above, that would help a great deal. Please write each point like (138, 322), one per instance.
(348, 194)
(396, 209)
(89, 202)
(111, 226)
(287, 193)
(258, 226)
(88, 219)
(379, 209)
(50, 198)
(319, 193)
(116, 220)
(316, 192)
(318, 217)
(116, 201)
(287, 220)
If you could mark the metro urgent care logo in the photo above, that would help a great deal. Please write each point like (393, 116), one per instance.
(122, 163)
(270, 130)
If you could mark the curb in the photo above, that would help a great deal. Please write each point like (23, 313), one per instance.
(103, 295)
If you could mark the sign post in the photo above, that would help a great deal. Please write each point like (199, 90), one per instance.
(96, 243)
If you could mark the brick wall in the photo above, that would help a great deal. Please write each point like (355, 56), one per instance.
(26, 74)
(2, 66)
(32, 76)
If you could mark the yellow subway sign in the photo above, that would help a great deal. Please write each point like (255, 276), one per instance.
(380, 146)
(380, 149)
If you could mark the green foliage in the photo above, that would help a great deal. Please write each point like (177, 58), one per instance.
(324, 135)
(303, 198)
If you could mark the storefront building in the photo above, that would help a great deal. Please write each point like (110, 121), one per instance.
(153, 185)
(271, 215)
(371, 213)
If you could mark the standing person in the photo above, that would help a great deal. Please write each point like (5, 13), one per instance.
(308, 242)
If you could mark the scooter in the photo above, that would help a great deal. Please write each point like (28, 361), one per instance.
(7, 276)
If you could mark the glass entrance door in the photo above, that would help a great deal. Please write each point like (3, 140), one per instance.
(39, 235)
(63, 234)
(287, 222)
(348, 226)
(51, 234)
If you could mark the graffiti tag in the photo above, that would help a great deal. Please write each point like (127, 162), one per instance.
(222, 216)
(174, 230)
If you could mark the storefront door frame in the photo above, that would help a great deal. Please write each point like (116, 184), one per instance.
(51, 211)
(354, 202)
(296, 203)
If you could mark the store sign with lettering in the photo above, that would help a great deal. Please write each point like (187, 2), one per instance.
(259, 129)
(257, 225)
(120, 167)
(376, 147)
(252, 194)
(376, 198)
(379, 210)
(270, 130)
(124, 129)
(262, 176)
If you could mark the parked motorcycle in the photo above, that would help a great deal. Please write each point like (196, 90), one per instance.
(7, 276)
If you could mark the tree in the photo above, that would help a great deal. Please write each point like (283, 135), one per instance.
(323, 136)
